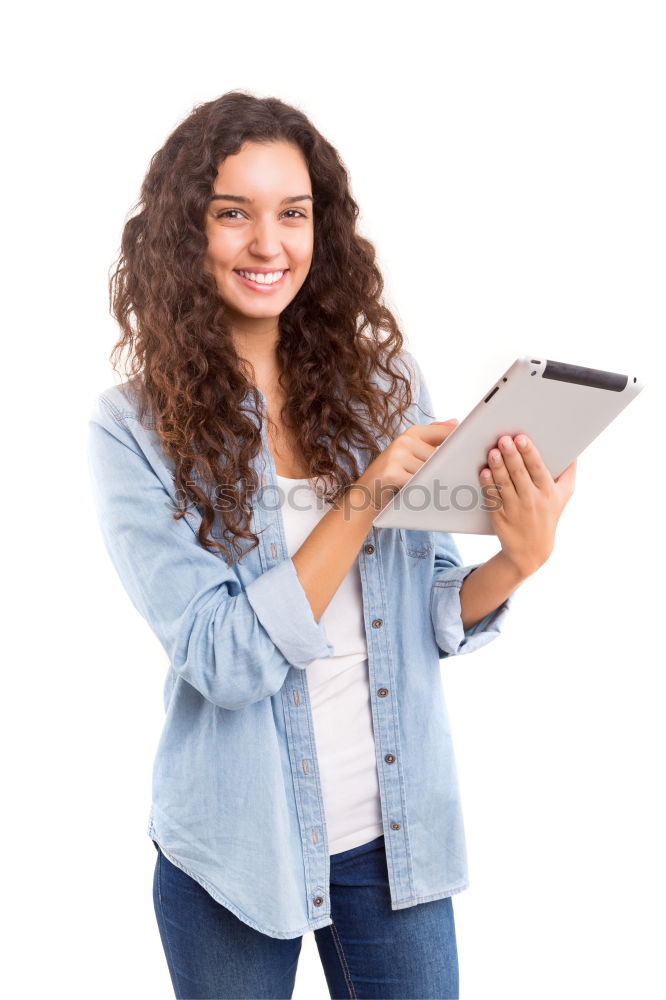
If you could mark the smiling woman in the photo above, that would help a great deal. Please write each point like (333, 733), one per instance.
(265, 245)
(242, 188)
(305, 777)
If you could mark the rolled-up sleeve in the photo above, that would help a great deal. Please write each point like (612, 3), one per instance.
(449, 571)
(282, 607)
(445, 607)
(234, 644)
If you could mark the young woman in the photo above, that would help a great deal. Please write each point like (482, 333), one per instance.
(305, 779)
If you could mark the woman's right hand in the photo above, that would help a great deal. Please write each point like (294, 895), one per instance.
(389, 472)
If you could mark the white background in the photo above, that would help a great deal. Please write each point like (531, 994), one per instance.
(509, 160)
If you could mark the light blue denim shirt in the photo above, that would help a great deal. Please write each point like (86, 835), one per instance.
(236, 792)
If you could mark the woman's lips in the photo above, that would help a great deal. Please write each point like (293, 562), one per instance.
(264, 289)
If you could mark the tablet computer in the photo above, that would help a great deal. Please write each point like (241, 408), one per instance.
(560, 407)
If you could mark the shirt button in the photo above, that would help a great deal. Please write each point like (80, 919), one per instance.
(389, 758)
(318, 901)
(377, 623)
(395, 826)
(369, 549)
(382, 692)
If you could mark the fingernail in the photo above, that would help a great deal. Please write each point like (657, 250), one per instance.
(521, 441)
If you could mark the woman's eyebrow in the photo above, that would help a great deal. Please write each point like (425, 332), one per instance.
(248, 201)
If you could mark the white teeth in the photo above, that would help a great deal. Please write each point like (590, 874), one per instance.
(263, 279)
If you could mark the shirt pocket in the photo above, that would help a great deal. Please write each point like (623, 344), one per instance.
(417, 544)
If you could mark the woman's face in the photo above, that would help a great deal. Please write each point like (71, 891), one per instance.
(260, 221)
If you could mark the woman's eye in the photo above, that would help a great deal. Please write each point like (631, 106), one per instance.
(227, 211)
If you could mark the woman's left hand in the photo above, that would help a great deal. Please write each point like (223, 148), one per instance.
(531, 501)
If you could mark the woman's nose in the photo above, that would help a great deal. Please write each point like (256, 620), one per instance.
(265, 239)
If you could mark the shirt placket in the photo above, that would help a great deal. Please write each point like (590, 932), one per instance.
(300, 728)
(297, 711)
(385, 719)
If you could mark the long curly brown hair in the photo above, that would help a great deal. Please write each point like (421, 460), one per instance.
(333, 336)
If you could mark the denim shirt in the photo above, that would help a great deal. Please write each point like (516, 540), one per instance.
(236, 793)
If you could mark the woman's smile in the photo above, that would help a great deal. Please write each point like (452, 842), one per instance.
(263, 282)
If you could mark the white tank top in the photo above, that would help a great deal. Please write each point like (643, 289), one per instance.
(339, 691)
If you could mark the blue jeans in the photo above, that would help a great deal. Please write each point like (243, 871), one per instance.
(369, 950)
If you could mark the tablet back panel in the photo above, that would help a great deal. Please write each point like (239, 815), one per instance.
(560, 407)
